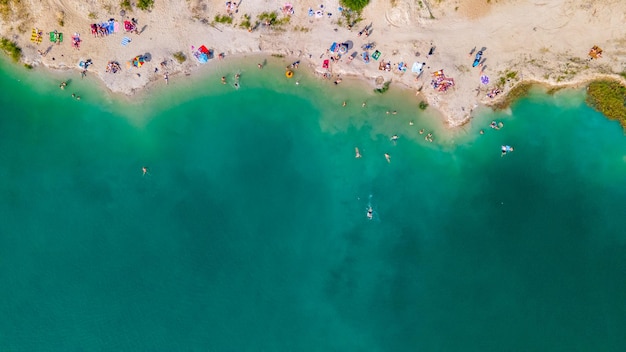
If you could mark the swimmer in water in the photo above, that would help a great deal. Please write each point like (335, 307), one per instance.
(144, 169)
(363, 105)
(422, 131)
(358, 154)
(223, 80)
(370, 213)
(410, 123)
(259, 66)
(388, 157)
(344, 104)
(394, 137)
(237, 76)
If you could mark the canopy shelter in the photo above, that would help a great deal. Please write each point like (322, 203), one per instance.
(138, 61)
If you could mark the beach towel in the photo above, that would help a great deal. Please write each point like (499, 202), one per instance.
(111, 27)
(36, 36)
(125, 41)
(417, 68)
(376, 55)
(325, 64)
(333, 47)
(116, 27)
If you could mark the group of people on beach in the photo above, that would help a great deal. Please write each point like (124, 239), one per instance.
(113, 67)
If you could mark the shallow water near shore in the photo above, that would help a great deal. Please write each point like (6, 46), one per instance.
(249, 230)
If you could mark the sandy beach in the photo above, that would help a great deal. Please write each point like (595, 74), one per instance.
(522, 41)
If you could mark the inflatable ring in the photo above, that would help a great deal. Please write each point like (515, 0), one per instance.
(289, 74)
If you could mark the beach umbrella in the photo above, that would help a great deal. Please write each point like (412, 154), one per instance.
(484, 79)
(147, 57)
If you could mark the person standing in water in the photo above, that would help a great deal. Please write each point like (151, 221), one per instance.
(358, 153)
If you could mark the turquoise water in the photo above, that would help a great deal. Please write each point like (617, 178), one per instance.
(249, 231)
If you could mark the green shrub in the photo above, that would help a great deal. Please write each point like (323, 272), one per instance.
(609, 98)
(180, 57)
(423, 105)
(356, 5)
(145, 4)
(246, 22)
(125, 5)
(11, 49)
(92, 16)
(223, 19)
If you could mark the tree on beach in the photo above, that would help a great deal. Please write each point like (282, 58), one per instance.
(356, 5)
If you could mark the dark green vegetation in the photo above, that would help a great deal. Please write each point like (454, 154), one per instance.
(125, 5)
(609, 98)
(423, 105)
(11, 49)
(356, 5)
(519, 91)
(223, 19)
(245, 23)
(179, 56)
(271, 18)
(145, 4)
(384, 88)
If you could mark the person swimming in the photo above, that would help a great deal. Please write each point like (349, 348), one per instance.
(506, 149)
(370, 213)
(394, 137)
(358, 154)
(144, 169)
(223, 80)
(422, 131)
(388, 157)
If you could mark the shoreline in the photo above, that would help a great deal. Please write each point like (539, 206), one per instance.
(546, 60)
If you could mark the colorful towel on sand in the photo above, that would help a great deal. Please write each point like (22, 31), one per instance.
(36, 36)
(125, 41)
